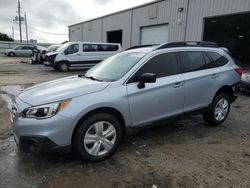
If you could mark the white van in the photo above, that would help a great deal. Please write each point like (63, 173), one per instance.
(80, 54)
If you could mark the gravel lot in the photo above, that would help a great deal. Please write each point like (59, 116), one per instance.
(182, 154)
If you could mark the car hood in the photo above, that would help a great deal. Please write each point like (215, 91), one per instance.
(8, 50)
(51, 53)
(60, 89)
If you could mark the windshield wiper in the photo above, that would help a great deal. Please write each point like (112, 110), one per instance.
(89, 77)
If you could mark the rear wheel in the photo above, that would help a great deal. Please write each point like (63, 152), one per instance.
(63, 67)
(219, 110)
(97, 137)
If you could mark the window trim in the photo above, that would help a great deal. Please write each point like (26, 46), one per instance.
(146, 61)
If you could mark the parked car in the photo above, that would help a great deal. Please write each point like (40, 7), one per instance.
(80, 54)
(90, 113)
(245, 81)
(22, 50)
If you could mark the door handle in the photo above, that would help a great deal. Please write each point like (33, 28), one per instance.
(78, 54)
(177, 85)
(214, 76)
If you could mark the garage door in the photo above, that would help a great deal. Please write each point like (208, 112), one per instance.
(154, 34)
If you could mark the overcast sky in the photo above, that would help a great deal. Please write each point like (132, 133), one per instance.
(49, 17)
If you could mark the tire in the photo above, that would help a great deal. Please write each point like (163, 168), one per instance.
(221, 104)
(11, 54)
(63, 67)
(98, 147)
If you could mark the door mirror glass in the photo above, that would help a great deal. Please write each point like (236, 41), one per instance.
(146, 78)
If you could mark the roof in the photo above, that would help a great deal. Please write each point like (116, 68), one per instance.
(125, 10)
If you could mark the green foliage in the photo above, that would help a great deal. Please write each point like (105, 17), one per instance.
(4, 37)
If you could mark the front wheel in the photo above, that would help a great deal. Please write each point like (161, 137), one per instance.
(97, 137)
(219, 110)
(63, 67)
(11, 54)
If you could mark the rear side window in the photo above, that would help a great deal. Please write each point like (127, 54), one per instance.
(161, 65)
(90, 47)
(107, 48)
(192, 61)
(99, 48)
(216, 60)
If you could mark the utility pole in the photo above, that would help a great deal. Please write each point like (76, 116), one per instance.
(26, 26)
(13, 35)
(19, 19)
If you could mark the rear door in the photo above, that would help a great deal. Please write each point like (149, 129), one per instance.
(157, 100)
(89, 55)
(200, 82)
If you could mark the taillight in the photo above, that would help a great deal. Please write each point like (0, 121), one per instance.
(239, 70)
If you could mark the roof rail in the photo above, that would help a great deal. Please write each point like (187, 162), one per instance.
(142, 46)
(188, 44)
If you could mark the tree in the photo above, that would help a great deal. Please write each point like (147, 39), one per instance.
(4, 37)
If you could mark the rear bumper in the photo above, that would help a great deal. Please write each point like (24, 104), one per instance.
(245, 86)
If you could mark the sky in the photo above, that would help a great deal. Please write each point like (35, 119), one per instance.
(48, 20)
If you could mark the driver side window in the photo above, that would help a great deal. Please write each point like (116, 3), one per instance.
(73, 48)
(162, 65)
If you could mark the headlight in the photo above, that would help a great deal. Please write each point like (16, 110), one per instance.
(244, 78)
(45, 111)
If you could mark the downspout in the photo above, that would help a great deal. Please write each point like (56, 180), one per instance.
(186, 21)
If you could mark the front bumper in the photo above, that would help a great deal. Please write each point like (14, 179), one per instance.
(47, 63)
(40, 144)
(245, 86)
(41, 136)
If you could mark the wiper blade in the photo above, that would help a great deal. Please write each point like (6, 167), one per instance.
(89, 77)
(92, 78)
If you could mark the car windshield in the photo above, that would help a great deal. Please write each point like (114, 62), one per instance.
(115, 67)
(52, 48)
(63, 47)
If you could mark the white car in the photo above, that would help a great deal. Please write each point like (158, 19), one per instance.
(80, 54)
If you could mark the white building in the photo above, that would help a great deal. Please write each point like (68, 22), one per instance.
(226, 22)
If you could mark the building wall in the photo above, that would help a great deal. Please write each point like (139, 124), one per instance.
(75, 32)
(167, 13)
(199, 9)
(185, 25)
(121, 21)
(92, 31)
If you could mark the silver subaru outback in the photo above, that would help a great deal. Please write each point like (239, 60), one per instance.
(90, 113)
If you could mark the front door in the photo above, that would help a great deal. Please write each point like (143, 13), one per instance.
(158, 100)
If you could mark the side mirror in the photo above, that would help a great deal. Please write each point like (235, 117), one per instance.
(146, 78)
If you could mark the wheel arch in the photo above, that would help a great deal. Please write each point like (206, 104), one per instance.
(108, 110)
(11, 52)
(227, 90)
